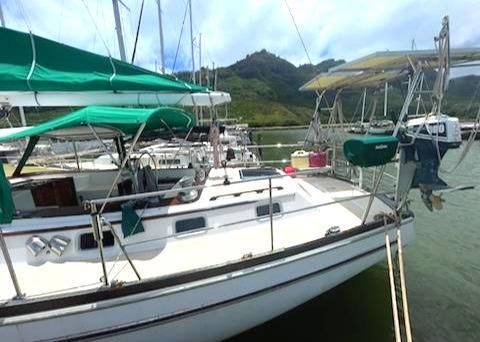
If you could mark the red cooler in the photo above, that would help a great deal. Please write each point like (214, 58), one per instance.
(317, 159)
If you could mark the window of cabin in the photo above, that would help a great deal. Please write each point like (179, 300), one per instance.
(264, 210)
(87, 241)
(187, 225)
(257, 173)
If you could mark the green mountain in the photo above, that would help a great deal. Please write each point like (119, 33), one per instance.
(264, 89)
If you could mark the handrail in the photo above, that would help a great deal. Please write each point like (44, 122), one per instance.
(88, 203)
(283, 213)
(279, 145)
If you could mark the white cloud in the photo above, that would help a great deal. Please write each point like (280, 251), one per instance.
(232, 29)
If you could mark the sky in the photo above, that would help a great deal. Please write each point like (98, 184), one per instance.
(231, 29)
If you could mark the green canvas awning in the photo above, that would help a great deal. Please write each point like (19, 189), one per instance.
(32, 63)
(108, 122)
(36, 71)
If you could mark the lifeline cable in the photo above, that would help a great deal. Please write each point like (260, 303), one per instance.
(138, 31)
(179, 39)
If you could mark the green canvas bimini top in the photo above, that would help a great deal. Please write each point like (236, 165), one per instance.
(32, 63)
(108, 121)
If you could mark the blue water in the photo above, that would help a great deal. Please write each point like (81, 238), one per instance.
(442, 270)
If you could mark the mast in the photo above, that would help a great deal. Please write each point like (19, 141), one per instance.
(199, 59)
(214, 76)
(21, 112)
(118, 29)
(363, 109)
(207, 76)
(440, 87)
(160, 31)
(385, 101)
(191, 40)
(200, 72)
(2, 19)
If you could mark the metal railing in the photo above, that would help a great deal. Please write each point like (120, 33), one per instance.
(152, 194)
(98, 221)
(96, 215)
(365, 177)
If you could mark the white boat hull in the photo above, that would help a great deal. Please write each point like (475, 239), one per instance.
(212, 308)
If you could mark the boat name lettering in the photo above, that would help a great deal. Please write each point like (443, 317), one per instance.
(380, 147)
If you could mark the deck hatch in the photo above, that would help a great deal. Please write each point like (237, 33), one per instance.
(259, 172)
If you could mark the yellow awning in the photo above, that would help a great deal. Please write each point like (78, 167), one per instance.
(380, 67)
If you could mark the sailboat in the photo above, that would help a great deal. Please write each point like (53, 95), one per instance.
(113, 255)
(117, 254)
(200, 250)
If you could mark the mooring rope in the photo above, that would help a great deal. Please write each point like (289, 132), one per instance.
(403, 288)
(406, 314)
(393, 294)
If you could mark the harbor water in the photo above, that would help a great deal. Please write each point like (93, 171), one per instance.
(442, 270)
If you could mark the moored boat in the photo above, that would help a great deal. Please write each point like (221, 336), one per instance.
(202, 252)
(469, 128)
(119, 254)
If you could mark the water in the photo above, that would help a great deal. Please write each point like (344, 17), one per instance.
(442, 269)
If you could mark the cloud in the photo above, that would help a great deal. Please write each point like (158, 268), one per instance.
(232, 29)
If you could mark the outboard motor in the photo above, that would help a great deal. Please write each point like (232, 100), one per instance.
(430, 140)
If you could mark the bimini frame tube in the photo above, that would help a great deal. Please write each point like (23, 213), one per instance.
(98, 235)
(418, 71)
(32, 142)
(95, 215)
(124, 162)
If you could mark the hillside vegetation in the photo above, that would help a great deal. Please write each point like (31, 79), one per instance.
(264, 90)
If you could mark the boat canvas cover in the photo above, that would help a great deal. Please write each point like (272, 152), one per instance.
(380, 67)
(370, 151)
(32, 63)
(125, 120)
(7, 206)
